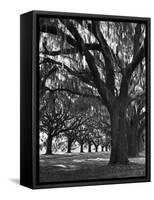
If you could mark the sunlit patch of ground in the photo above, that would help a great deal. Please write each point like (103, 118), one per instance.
(83, 166)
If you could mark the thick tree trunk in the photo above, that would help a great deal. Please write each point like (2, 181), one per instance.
(140, 142)
(89, 147)
(49, 145)
(81, 148)
(119, 150)
(69, 146)
(132, 143)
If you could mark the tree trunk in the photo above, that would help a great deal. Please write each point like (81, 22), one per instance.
(69, 146)
(96, 148)
(81, 148)
(109, 147)
(89, 147)
(132, 142)
(49, 145)
(140, 142)
(119, 150)
(102, 148)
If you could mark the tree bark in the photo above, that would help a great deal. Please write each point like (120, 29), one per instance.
(119, 150)
(89, 147)
(106, 147)
(96, 148)
(81, 148)
(69, 146)
(140, 142)
(49, 145)
(132, 142)
(102, 148)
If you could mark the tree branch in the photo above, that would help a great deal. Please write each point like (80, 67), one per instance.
(55, 31)
(137, 38)
(74, 93)
(74, 50)
(136, 60)
(42, 83)
(136, 97)
(84, 77)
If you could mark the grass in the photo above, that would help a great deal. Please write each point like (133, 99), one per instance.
(84, 166)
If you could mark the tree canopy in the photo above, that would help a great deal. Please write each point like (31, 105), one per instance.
(93, 70)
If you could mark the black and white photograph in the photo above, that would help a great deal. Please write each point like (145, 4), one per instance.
(76, 100)
(92, 99)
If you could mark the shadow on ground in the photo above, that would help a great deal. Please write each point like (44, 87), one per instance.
(15, 180)
(84, 166)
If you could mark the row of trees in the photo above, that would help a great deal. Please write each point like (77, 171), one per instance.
(63, 123)
(90, 69)
(86, 130)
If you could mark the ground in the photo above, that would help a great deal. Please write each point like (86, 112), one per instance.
(84, 166)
